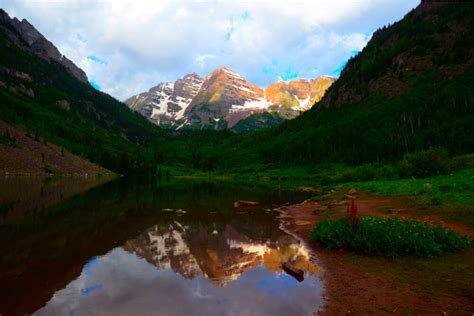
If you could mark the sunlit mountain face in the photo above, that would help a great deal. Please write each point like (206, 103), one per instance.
(224, 98)
(195, 268)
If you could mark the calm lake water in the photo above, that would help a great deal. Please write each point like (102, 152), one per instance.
(121, 249)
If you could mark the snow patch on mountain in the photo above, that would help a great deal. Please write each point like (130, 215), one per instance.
(167, 101)
(223, 98)
(232, 73)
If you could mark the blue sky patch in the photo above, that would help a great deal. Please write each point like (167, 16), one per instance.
(337, 72)
(288, 74)
(97, 87)
(96, 59)
(246, 16)
(81, 38)
(280, 72)
(230, 30)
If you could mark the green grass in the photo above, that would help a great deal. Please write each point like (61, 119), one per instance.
(391, 237)
(456, 188)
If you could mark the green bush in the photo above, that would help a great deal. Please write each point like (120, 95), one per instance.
(360, 173)
(426, 163)
(461, 162)
(391, 237)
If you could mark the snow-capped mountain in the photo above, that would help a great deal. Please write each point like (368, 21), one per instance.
(224, 93)
(165, 103)
(297, 95)
(224, 98)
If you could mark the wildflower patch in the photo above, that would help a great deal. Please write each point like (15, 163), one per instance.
(388, 236)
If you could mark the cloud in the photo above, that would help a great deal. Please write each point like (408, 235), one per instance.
(201, 59)
(121, 283)
(128, 46)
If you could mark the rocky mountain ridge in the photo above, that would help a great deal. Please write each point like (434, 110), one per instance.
(166, 102)
(223, 98)
(26, 36)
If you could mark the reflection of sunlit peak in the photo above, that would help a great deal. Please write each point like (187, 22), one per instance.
(192, 251)
(301, 251)
(180, 226)
(166, 249)
(257, 249)
(180, 246)
(244, 264)
(228, 279)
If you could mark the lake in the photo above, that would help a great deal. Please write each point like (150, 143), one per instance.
(121, 248)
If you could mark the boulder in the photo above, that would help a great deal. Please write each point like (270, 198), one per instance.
(63, 104)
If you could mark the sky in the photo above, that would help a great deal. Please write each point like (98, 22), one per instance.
(126, 47)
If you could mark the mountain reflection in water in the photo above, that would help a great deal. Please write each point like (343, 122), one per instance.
(193, 268)
(71, 248)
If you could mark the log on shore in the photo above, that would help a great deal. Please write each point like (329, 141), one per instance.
(241, 203)
(298, 274)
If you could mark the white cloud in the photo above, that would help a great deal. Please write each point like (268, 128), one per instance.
(145, 42)
(354, 41)
(201, 59)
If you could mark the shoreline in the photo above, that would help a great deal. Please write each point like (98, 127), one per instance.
(355, 283)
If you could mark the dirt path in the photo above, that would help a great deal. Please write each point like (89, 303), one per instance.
(358, 284)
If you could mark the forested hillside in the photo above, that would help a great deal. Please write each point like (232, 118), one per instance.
(47, 101)
(411, 88)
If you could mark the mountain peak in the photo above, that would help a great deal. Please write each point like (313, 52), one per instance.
(227, 72)
(4, 15)
(165, 103)
(192, 74)
(223, 98)
(29, 38)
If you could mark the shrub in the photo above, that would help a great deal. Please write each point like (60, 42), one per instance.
(391, 237)
(48, 169)
(7, 139)
(426, 163)
(462, 162)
